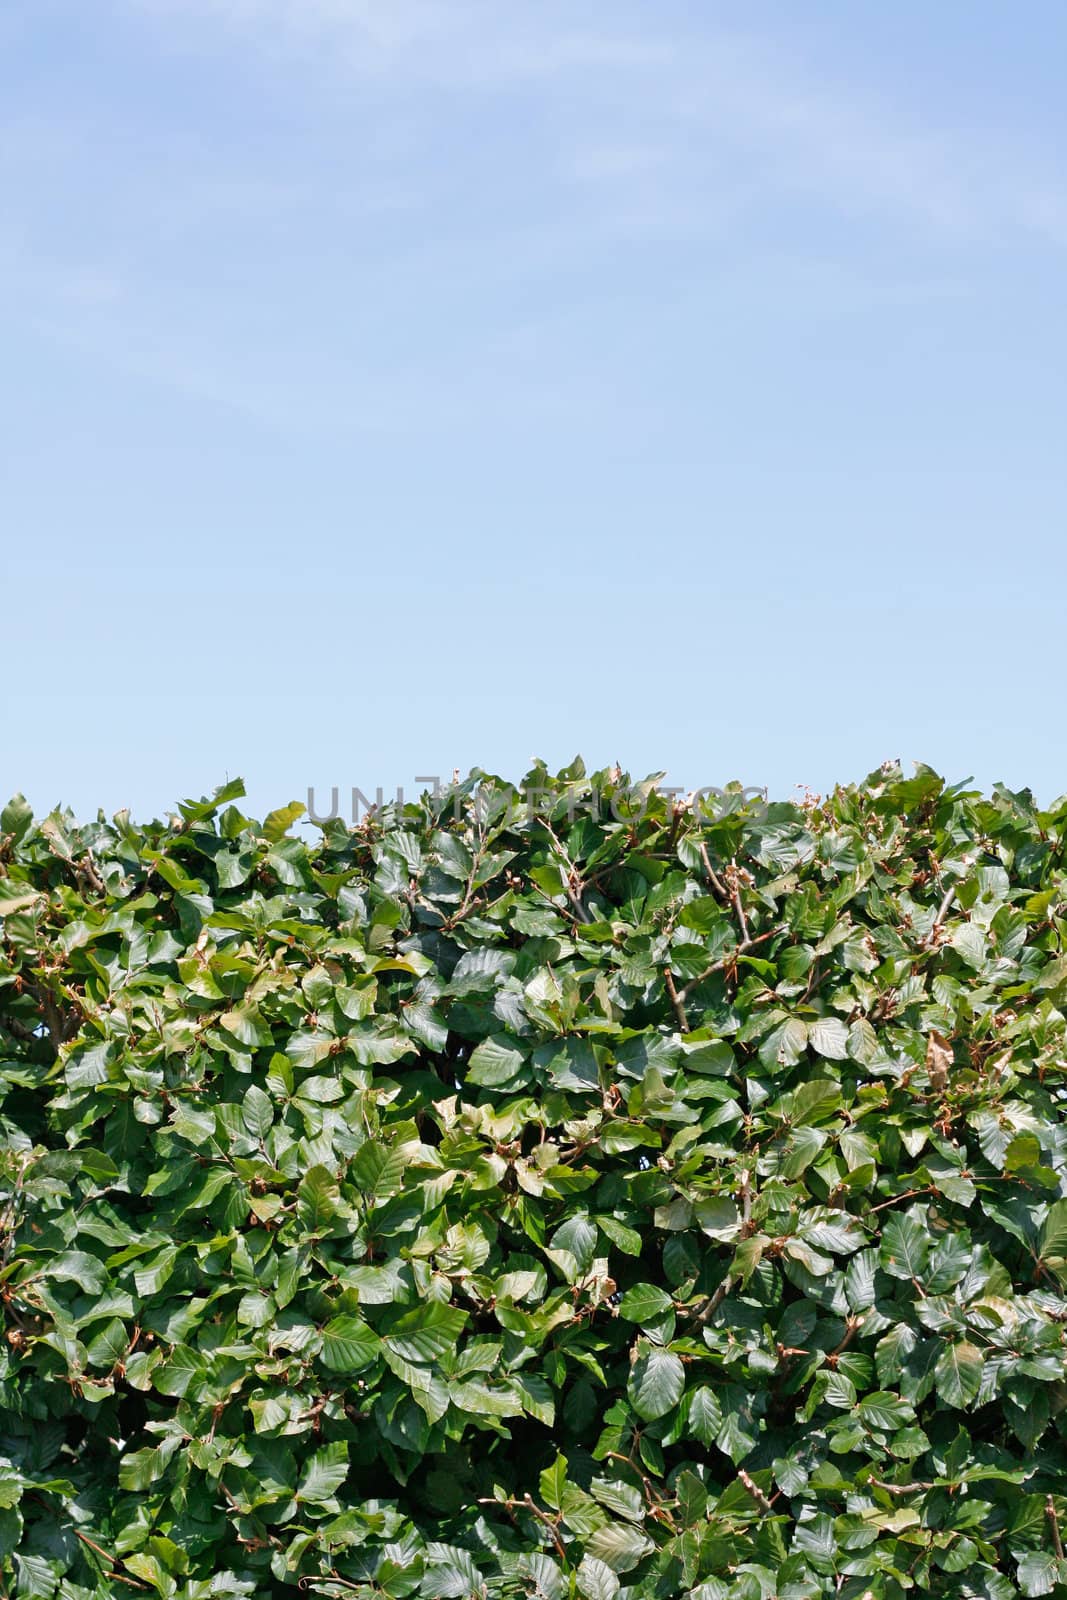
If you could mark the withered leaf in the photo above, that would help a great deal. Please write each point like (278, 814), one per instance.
(938, 1060)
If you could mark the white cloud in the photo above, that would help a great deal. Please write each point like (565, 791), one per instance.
(607, 139)
(639, 103)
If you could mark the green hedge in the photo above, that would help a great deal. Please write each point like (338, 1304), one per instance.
(579, 1194)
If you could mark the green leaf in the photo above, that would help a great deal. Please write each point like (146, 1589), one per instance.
(596, 1581)
(75, 1266)
(16, 817)
(656, 1383)
(905, 1247)
(277, 823)
(886, 1411)
(544, 1576)
(1054, 1240)
(645, 1304)
(553, 1483)
(496, 1061)
(705, 1415)
(1040, 1571)
(257, 1110)
(318, 1200)
(812, 1103)
(829, 1037)
(626, 1239)
(348, 1344)
(324, 1474)
(109, 1345)
(958, 1373)
(16, 896)
(426, 1333)
(618, 1546)
(247, 1027)
(36, 1576)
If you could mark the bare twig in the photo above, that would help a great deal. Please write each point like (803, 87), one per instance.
(546, 1520)
(942, 912)
(705, 1312)
(468, 896)
(852, 1327)
(746, 1206)
(528, 1504)
(655, 1501)
(713, 878)
(573, 877)
(112, 1561)
(726, 961)
(735, 896)
(900, 1488)
(87, 870)
(714, 1301)
(676, 1000)
(1054, 1526)
(908, 1194)
(755, 1491)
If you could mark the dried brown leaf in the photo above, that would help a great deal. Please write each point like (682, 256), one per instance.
(938, 1060)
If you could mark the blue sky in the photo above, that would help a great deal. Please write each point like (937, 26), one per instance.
(398, 385)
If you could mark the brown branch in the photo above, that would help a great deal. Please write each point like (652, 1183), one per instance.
(113, 1561)
(87, 870)
(909, 1194)
(468, 894)
(655, 1502)
(901, 1488)
(942, 913)
(715, 1299)
(1054, 1526)
(713, 878)
(676, 1000)
(573, 875)
(528, 1504)
(726, 961)
(62, 1026)
(756, 1492)
(746, 1206)
(852, 1327)
(735, 896)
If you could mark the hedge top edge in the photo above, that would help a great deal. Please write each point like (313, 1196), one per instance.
(608, 1197)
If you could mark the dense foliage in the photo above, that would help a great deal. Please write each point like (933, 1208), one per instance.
(590, 1197)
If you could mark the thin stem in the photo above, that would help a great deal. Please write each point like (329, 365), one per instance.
(909, 1194)
(735, 896)
(542, 1516)
(942, 913)
(756, 1492)
(573, 875)
(713, 878)
(852, 1327)
(901, 1488)
(726, 961)
(676, 1000)
(112, 1561)
(715, 1299)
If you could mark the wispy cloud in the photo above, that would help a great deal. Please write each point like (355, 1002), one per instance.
(652, 99)
(464, 181)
